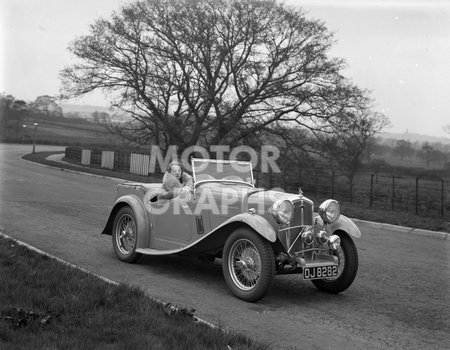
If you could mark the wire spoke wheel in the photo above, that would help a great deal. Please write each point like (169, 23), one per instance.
(125, 233)
(244, 264)
(248, 264)
(341, 255)
(347, 269)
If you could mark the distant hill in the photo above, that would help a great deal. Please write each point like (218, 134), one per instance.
(85, 111)
(411, 137)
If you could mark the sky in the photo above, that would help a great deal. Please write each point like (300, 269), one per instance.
(397, 49)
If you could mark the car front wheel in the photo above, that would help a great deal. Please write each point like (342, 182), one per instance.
(248, 264)
(124, 235)
(348, 267)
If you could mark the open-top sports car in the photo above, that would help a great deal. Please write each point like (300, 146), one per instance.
(257, 233)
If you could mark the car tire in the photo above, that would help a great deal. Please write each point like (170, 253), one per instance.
(124, 235)
(347, 272)
(248, 264)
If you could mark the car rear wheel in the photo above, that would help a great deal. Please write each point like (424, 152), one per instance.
(348, 267)
(124, 235)
(248, 264)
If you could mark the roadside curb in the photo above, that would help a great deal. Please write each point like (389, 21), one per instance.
(54, 159)
(57, 158)
(402, 229)
(104, 279)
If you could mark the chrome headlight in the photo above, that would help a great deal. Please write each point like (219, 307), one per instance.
(330, 211)
(283, 211)
(322, 237)
(334, 242)
(308, 237)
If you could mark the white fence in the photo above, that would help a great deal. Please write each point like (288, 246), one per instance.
(86, 157)
(139, 163)
(107, 159)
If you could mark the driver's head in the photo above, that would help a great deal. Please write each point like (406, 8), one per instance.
(175, 169)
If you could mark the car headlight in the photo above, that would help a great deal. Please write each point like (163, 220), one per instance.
(330, 211)
(283, 211)
(308, 237)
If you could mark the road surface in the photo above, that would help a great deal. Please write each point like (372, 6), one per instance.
(399, 300)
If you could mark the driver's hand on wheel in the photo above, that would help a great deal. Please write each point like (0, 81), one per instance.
(184, 191)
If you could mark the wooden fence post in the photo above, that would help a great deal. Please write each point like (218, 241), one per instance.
(417, 195)
(371, 191)
(351, 188)
(316, 185)
(332, 184)
(393, 193)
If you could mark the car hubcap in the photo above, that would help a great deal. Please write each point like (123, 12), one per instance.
(244, 264)
(126, 234)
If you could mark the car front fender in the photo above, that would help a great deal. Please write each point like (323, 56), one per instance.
(140, 213)
(347, 225)
(257, 223)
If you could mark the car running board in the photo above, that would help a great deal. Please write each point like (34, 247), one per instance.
(149, 251)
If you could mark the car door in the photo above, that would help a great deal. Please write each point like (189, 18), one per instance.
(171, 221)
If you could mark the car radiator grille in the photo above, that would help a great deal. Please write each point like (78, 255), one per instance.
(303, 217)
(303, 213)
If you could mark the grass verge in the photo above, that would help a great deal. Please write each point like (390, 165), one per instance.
(353, 210)
(70, 309)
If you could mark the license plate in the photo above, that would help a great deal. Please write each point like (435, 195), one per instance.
(315, 272)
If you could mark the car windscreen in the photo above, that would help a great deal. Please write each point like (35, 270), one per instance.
(222, 170)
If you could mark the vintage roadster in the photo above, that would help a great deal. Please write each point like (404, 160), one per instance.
(258, 233)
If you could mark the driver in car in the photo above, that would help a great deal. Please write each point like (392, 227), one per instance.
(175, 181)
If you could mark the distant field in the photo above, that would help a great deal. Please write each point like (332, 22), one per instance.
(394, 197)
(414, 162)
(385, 196)
(69, 132)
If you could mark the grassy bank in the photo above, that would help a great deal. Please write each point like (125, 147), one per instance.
(354, 210)
(54, 130)
(48, 305)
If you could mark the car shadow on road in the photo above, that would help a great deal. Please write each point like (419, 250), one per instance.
(286, 290)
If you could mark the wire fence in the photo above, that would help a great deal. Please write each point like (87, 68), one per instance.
(419, 195)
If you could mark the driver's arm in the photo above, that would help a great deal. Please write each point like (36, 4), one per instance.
(166, 195)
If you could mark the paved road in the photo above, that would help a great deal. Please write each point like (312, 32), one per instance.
(400, 299)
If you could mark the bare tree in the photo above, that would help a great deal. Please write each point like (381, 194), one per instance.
(210, 71)
(100, 117)
(47, 106)
(13, 113)
(346, 141)
(430, 154)
(404, 149)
